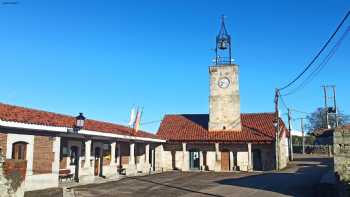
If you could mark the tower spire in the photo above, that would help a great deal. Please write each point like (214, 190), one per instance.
(223, 45)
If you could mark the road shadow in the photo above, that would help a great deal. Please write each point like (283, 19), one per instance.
(300, 183)
(174, 187)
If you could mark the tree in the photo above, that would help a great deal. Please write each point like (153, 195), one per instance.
(317, 119)
(298, 140)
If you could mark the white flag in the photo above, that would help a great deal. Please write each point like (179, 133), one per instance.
(132, 117)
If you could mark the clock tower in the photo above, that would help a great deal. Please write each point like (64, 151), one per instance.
(224, 100)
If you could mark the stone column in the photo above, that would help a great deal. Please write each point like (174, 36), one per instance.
(146, 162)
(132, 153)
(184, 158)
(201, 163)
(217, 151)
(232, 162)
(119, 162)
(132, 166)
(113, 145)
(153, 155)
(56, 150)
(217, 157)
(87, 153)
(250, 164)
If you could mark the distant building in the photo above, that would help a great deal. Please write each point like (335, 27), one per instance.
(297, 133)
(325, 136)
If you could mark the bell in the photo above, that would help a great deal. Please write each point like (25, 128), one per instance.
(222, 44)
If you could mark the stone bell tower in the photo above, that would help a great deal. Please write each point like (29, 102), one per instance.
(224, 100)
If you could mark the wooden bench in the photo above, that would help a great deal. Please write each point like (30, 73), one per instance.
(121, 170)
(65, 174)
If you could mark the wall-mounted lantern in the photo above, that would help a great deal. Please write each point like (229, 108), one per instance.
(79, 122)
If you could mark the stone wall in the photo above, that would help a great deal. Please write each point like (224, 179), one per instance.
(43, 155)
(3, 143)
(160, 160)
(224, 102)
(12, 176)
(284, 153)
(267, 155)
(341, 139)
(15, 167)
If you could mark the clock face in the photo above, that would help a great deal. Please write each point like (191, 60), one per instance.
(224, 82)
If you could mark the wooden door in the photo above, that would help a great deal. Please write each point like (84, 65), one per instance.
(225, 161)
(97, 161)
(96, 167)
(257, 164)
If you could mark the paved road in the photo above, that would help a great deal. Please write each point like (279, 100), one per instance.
(297, 180)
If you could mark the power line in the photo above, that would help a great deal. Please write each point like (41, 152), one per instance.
(291, 109)
(319, 53)
(150, 122)
(283, 102)
(295, 110)
(325, 61)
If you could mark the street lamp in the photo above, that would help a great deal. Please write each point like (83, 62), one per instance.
(79, 124)
(80, 120)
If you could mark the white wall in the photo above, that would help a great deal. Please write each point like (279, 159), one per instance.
(40, 181)
(242, 160)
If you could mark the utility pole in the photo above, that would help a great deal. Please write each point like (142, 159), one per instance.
(303, 135)
(326, 106)
(335, 108)
(290, 137)
(330, 110)
(277, 120)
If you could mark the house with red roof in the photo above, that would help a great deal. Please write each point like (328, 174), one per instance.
(225, 139)
(50, 148)
(47, 148)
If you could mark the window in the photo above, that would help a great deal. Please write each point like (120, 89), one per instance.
(64, 149)
(19, 150)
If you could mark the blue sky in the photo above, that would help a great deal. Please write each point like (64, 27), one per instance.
(103, 57)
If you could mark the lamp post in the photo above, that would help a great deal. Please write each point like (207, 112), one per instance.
(79, 124)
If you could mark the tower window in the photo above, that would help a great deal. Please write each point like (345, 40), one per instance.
(223, 127)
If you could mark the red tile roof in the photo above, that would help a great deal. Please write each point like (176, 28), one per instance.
(33, 116)
(257, 127)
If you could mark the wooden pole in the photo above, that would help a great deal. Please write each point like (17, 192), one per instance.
(303, 136)
(277, 128)
(290, 137)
